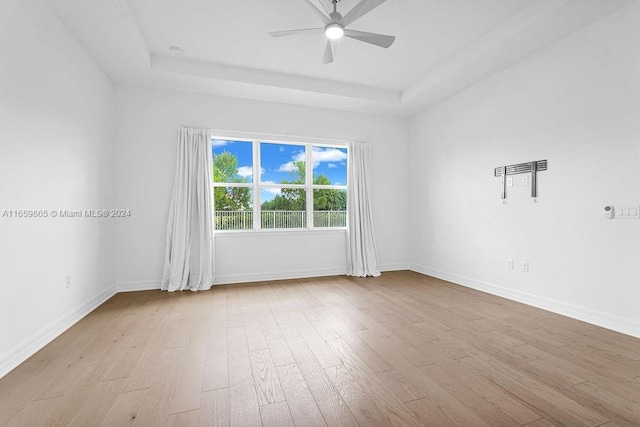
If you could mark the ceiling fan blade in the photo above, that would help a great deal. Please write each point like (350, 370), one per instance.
(325, 19)
(324, 6)
(329, 51)
(359, 10)
(371, 38)
(295, 32)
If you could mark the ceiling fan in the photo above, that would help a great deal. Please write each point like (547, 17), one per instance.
(335, 27)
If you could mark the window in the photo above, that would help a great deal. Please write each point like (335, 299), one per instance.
(269, 185)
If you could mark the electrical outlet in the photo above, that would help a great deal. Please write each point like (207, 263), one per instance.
(510, 181)
(68, 282)
(525, 180)
(627, 212)
(510, 263)
(525, 266)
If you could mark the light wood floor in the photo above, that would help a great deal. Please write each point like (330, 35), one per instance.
(402, 349)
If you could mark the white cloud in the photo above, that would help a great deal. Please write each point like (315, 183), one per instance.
(247, 171)
(320, 155)
(328, 155)
(290, 166)
(274, 191)
(287, 167)
(219, 142)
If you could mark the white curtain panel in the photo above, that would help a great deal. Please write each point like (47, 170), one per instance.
(362, 256)
(188, 262)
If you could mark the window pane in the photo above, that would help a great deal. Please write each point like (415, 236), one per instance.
(283, 208)
(329, 166)
(282, 163)
(329, 208)
(232, 161)
(233, 208)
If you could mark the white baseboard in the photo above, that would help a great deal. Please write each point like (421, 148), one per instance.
(31, 345)
(148, 285)
(280, 275)
(605, 320)
(398, 266)
(140, 285)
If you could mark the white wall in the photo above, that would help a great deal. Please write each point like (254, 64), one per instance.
(146, 139)
(56, 152)
(576, 104)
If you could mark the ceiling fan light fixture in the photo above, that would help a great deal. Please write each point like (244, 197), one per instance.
(334, 31)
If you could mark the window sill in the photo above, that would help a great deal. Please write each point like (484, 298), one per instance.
(268, 233)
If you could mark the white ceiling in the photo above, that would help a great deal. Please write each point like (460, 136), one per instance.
(442, 46)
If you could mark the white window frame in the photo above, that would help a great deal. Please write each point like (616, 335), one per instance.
(257, 185)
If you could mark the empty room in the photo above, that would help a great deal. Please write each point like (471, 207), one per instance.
(320, 213)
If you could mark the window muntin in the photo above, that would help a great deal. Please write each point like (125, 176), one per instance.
(286, 193)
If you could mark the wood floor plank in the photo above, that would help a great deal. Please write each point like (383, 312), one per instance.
(556, 405)
(302, 405)
(546, 423)
(517, 409)
(19, 386)
(472, 399)
(399, 386)
(319, 347)
(614, 406)
(157, 404)
(358, 401)
(187, 390)
(126, 408)
(184, 419)
(125, 365)
(265, 378)
(214, 408)
(70, 404)
(276, 415)
(98, 403)
(368, 354)
(280, 352)
(430, 414)
(329, 401)
(34, 412)
(392, 408)
(216, 374)
(253, 329)
(62, 371)
(243, 408)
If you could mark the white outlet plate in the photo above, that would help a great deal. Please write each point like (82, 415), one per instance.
(525, 266)
(525, 180)
(627, 212)
(510, 181)
(510, 263)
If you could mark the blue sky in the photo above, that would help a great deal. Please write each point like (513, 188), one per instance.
(277, 161)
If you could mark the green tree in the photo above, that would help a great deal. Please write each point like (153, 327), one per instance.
(225, 169)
